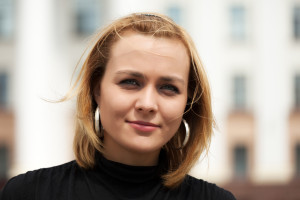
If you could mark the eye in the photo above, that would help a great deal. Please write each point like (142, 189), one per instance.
(169, 89)
(129, 83)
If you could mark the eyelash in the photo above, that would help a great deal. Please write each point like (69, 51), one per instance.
(133, 84)
(170, 88)
(129, 82)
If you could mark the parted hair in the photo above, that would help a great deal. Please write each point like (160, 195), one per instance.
(198, 112)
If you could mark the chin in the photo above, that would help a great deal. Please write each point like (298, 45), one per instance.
(146, 148)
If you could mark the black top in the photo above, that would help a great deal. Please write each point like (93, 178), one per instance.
(109, 180)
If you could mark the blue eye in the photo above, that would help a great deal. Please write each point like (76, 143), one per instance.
(129, 84)
(170, 89)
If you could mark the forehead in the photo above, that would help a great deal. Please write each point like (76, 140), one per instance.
(133, 42)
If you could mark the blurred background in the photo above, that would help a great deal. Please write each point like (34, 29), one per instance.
(251, 52)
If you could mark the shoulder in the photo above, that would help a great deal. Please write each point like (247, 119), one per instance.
(25, 186)
(206, 190)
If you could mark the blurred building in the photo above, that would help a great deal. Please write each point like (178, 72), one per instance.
(6, 70)
(251, 51)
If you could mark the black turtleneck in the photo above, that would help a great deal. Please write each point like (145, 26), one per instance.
(108, 180)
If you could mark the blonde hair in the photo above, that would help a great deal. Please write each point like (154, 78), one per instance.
(198, 111)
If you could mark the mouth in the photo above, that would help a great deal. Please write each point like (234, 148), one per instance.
(143, 126)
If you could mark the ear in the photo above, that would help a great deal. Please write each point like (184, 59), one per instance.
(96, 91)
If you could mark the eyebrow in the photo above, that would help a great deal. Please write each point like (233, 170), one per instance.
(171, 79)
(132, 73)
(140, 75)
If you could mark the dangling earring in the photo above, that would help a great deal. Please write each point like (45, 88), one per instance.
(97, 122)
(187, 133)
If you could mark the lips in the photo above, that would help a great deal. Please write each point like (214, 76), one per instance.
(143, 126)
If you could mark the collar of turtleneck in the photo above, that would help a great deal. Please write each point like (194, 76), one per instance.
(119, 181)
(127, 173)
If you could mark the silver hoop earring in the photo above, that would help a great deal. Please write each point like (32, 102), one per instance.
(97, 122)
(187, 133)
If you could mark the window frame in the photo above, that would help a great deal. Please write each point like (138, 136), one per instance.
(238, 22)
(239, 96)
(240, 172)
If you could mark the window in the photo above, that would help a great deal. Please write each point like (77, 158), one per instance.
(6, 19)
(296, 22)
(240, 162)
(3, 162)
(238, 22)
(3, 89)
(174, 12)
(239, 92)
(297, 154)
(87, 16)
(297, 91)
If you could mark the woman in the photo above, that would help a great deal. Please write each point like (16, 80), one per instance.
(143, 119)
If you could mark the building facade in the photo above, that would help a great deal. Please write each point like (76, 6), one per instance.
(251, 51)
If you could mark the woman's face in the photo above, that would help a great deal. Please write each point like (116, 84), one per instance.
(142, 96)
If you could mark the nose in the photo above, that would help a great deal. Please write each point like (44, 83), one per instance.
(147, 101)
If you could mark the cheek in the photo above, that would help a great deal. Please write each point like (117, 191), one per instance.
(173, 111)
(173, 116)
(113, 104)
(112, 113)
